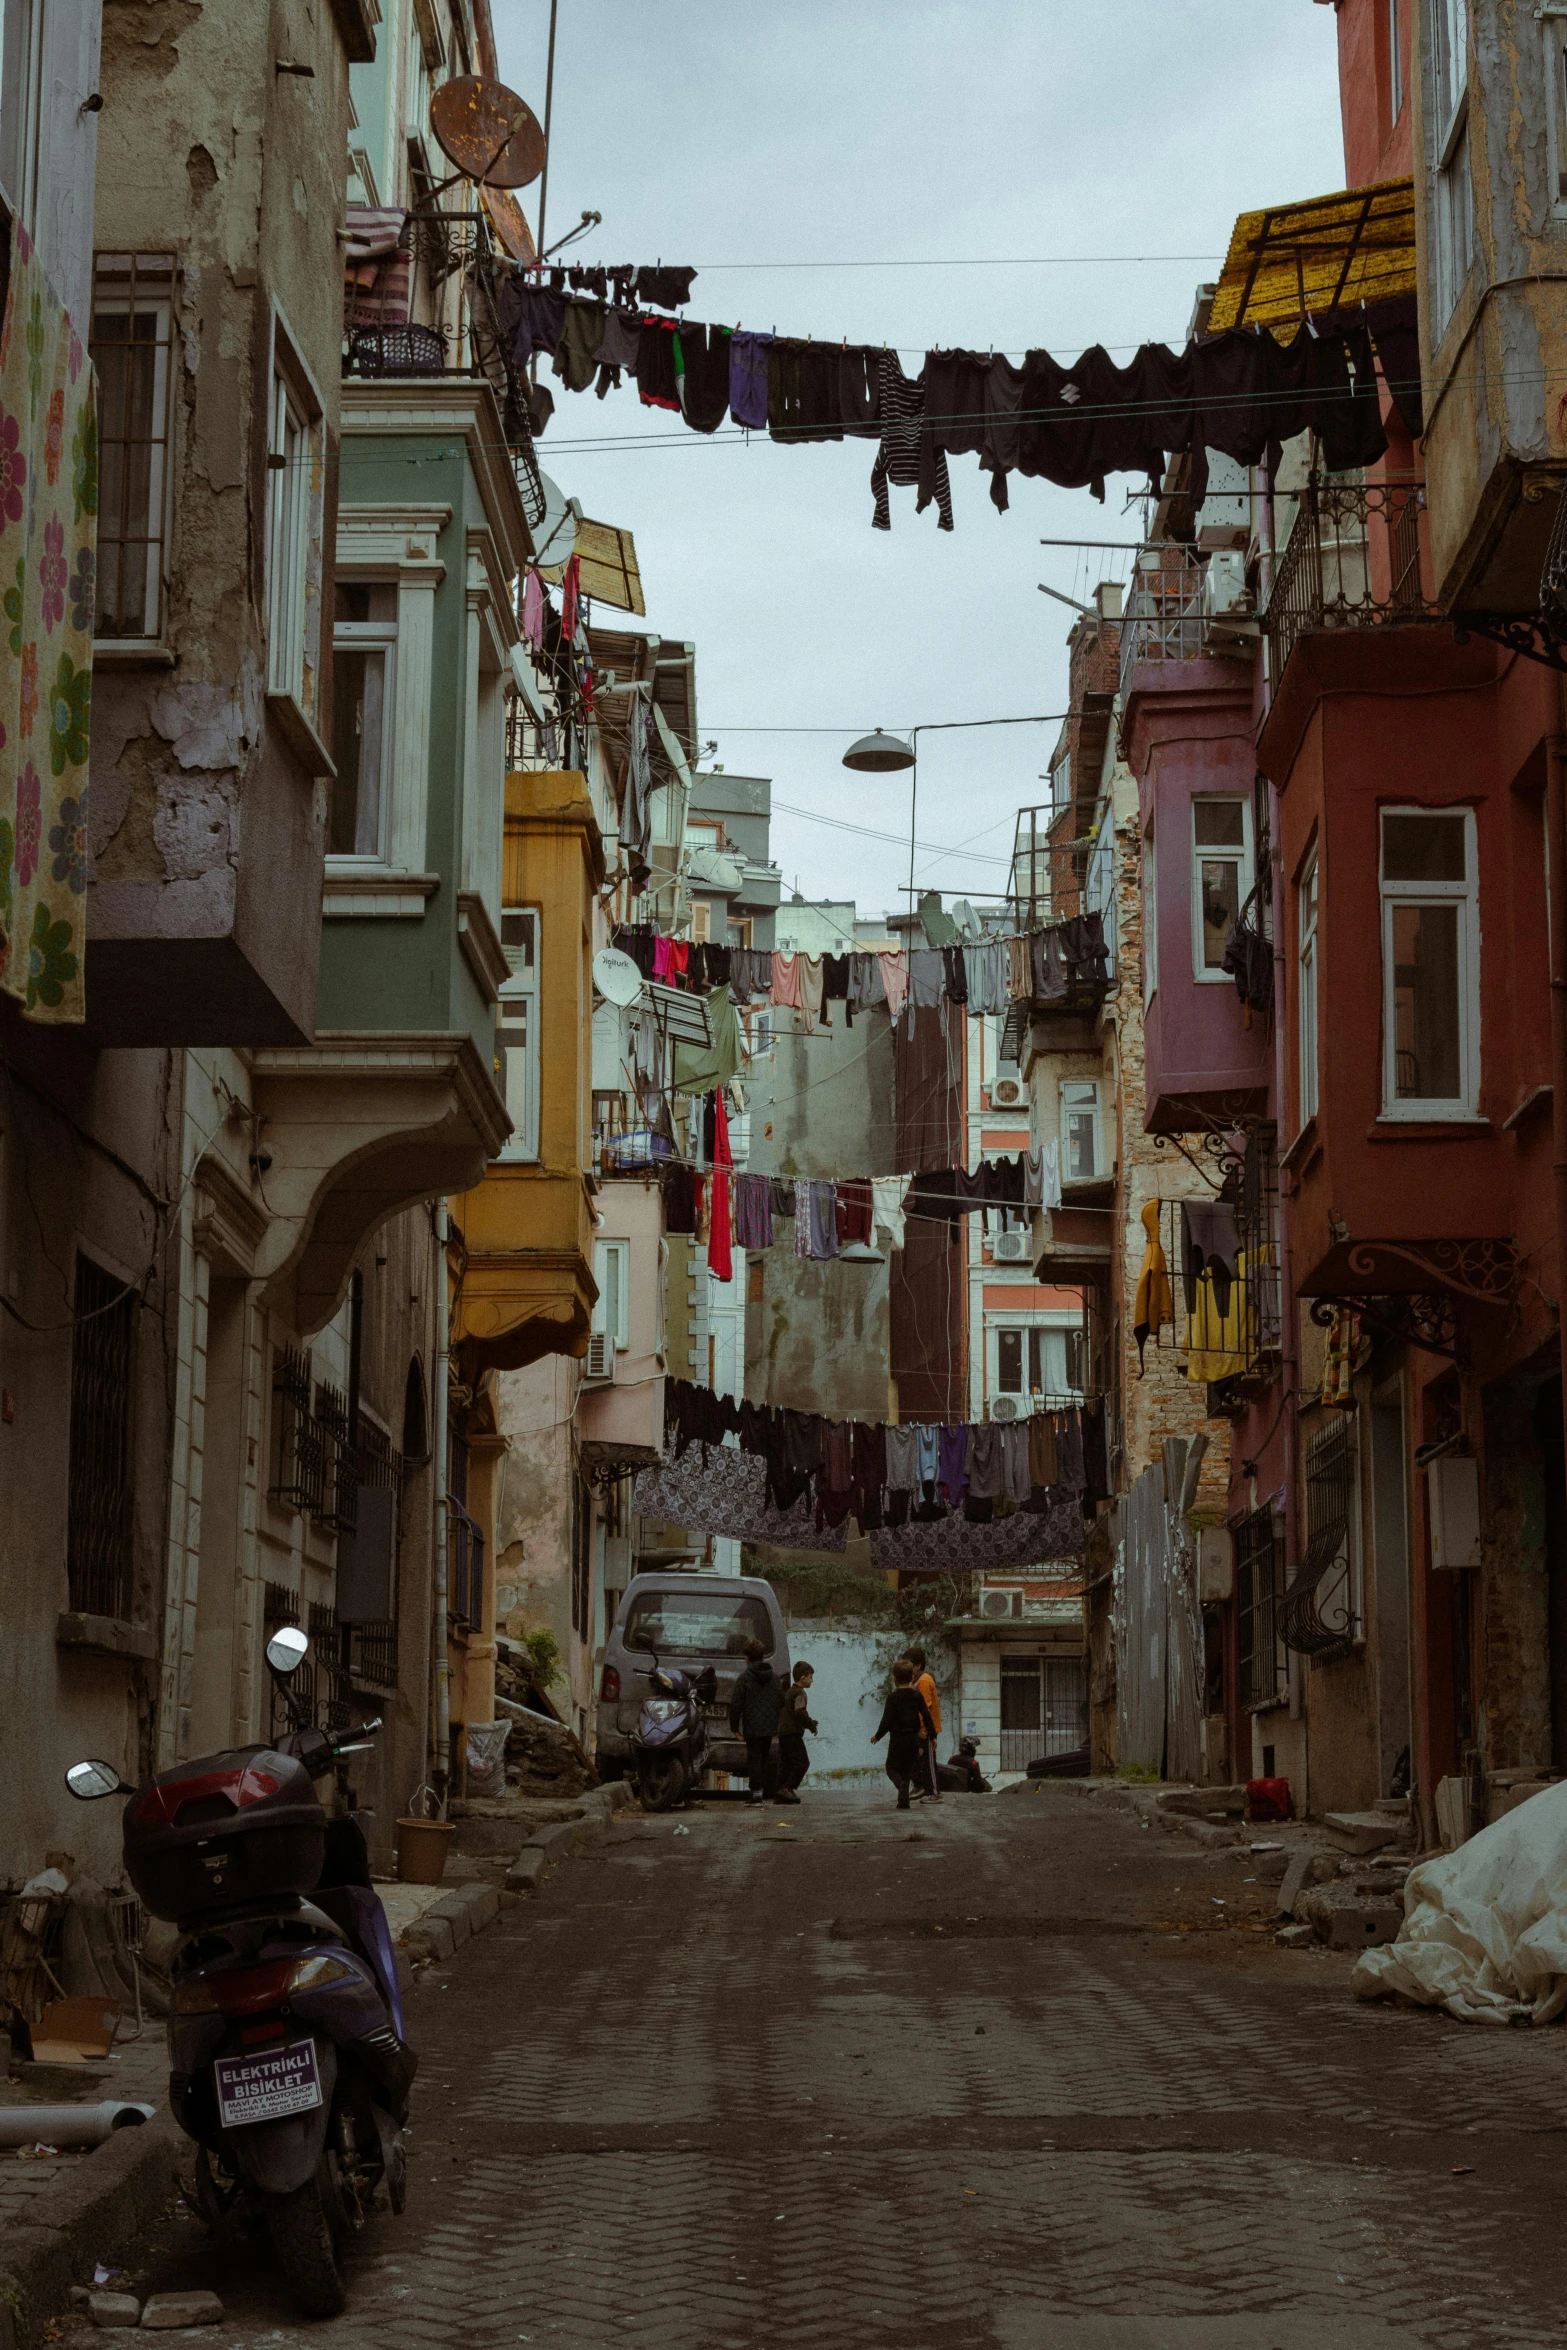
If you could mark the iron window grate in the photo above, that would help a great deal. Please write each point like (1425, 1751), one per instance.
(338, 1508)
(1259, 1591)
(297, 1460)
(1319, 1616)
(329, 1656)
(132, 345)
(98, 1543)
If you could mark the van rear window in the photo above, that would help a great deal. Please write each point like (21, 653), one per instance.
(697, 1623)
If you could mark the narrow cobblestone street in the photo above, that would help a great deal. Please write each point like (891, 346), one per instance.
(846, 2077)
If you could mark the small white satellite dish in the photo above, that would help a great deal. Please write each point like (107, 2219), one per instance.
(616, 976)
(555, 540)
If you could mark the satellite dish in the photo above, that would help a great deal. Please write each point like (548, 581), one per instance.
(555, 540)
(616, 976)
(491, 134)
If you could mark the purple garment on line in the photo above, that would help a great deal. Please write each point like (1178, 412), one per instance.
(748, 379)
(753, 1211)
(953, 1473)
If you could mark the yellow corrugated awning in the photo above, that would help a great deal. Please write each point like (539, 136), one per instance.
(1327, 253)
(607, 566)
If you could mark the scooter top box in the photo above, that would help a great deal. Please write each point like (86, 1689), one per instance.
(228, 1828)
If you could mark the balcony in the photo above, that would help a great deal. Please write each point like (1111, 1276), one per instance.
(1356, 558)
(1062, 885)
(1163, 620)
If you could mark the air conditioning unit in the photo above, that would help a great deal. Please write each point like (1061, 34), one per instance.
(601, 1356)
(1228, 616)
(1004, 1407)
(1011, 1248)
(1007, 1093)
(996, 1604)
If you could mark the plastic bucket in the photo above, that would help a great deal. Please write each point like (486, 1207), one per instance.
(421, 1850)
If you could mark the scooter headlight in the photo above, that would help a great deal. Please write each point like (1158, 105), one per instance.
(313, 1974)
(662, 1709)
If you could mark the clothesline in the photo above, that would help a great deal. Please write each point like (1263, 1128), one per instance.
(984, 976)
(1242, 393)
(889, 1473)
(826, 1215)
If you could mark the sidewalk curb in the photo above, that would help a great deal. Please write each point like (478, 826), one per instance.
(467, 1909)
(96, 2215)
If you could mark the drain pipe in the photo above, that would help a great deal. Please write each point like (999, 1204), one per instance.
(1556, 899)
(440, 1657)
(69, 2125)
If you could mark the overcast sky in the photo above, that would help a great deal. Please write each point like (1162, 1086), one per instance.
(909, 132)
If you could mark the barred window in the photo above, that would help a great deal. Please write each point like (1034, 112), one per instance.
(131, 340)
(1259, 1590)
(98, 1542)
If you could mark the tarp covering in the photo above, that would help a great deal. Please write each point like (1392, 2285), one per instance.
(607, 566)
(1158, 1630)
(1485, 1927)
(1327, 253)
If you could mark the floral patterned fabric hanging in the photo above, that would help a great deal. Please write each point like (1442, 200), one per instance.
(48, 541)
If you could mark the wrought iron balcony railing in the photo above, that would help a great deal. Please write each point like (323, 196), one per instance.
(1355, 558)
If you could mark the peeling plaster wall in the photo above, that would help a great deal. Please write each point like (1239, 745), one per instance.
(1513, 1623)
(207, 816)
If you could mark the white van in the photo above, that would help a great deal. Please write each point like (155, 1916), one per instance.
(692, 1621)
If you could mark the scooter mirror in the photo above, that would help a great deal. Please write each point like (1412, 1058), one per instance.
(89, 1780)
(287, 1649)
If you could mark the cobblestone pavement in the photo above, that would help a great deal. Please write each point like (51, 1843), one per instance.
(999, 2074)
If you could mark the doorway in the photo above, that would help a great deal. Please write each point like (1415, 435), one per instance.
(1044, 1708)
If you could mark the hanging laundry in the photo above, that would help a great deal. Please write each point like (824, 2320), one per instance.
(898, 459)
(783, 1197)
(619, 345)
(1340, 1359)
(571, 602)
(748, 379)
(986, 1461)
(787, 974)
(668, 289)
(1015, 1462)
(540, 316)
(888, 1193)
(753, 1212)
(985, 976)
(927, 978)
(866, 983)
(682, 1188)
(1044, 1462)
(533, 602)
(854, 1212)
(895, 981)
(1154, 1305)
(1020, 978)
(811, 978)
(823, 1204)
(952, 1474)
(577, 347)
(656, 384)
(702, 375)
(720, 1261)
(902, 1461)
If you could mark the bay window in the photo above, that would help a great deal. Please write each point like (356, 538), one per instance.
(1430, 964)
(130, 343)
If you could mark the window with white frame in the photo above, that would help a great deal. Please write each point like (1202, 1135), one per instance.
(289, 491)
(1452, 194)
(1221, 879)
(131, 340)
(1430, 964)
(1033, 1358)
(1080, 1153)
(1061, 782)
(1395, 60)
(364, 650)
(1150, 918)
(612, 1272)
(517, 1031)
(23, 103)
(1306, 918)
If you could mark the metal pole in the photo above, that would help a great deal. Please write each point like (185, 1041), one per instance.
(440, 1659)
(914, 800)
(549, 105)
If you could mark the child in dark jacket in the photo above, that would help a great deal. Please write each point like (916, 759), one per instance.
(905, 1720)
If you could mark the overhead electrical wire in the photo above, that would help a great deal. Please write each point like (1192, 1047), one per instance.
(899, 840)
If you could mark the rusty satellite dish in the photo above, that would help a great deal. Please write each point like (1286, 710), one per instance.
(491, 134)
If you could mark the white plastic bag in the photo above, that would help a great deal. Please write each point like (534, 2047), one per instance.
(487, 1758)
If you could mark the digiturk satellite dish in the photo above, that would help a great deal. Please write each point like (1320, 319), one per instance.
(616, 976)
(491, 134)
(555, 539)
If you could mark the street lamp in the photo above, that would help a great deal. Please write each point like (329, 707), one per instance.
(884, 754)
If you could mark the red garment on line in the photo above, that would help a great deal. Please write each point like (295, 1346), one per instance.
(720, 1259)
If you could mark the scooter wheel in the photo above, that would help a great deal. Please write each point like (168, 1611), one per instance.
(302, 2240)
(662, 1783)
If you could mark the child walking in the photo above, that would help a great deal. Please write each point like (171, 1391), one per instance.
(905, 1720)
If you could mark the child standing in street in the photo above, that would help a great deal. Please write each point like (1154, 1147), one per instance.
(905, 1719)
(793, 1722)
(925, 1683)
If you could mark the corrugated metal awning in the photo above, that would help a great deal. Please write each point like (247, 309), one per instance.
(1325, 253)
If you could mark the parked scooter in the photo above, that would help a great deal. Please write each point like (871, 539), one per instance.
(288, 2064)
(669, 1746)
